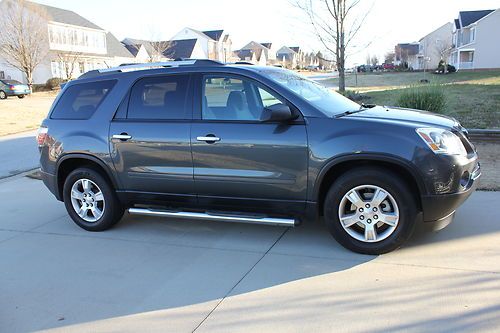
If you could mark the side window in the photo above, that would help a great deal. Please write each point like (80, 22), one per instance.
(229, 98)
(159, 98)
(267, 98)
(80, 101)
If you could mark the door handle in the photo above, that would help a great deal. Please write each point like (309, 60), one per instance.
(209, 138)
(123, 136)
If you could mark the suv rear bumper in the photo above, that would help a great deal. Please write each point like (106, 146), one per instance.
(441, 207)
(50, 181)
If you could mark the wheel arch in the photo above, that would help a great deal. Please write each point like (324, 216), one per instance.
(336, 167)
(70, 162)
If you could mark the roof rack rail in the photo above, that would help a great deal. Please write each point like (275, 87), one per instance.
(243, 63)
(151, 65)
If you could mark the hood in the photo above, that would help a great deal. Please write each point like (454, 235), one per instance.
(417, 118)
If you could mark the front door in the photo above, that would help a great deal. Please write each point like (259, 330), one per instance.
(150, 140)
(238, 159)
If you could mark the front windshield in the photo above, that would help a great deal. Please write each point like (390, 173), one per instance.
(327, 101)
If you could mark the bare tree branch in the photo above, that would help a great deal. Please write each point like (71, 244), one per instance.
(335, 26)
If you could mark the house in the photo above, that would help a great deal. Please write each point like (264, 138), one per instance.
(287, 57)
(154, 51)
(75, 46)
(476, 40)
(215, 44)
(255, 53)
(406, 54)
(434, 47)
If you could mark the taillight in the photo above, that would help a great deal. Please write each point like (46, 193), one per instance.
(42, 135)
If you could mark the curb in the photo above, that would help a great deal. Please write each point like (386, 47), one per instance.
(491, 135)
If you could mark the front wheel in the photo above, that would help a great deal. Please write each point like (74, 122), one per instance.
(90, 200)
(370, 210)
(3, 95)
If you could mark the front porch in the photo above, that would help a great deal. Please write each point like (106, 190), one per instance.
(462, 59)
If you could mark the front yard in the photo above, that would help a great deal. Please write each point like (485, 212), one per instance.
(471, 97)
(19, 115)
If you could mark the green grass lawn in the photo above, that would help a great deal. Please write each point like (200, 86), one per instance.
(374, 81)
(474, 105)
(471, 97)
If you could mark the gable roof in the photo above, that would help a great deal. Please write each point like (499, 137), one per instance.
(67, 17)
(468, 17)
(132, 42)
(267, 45)
(457, 23)
(115, 48)
(285, 50)
(214, 34)
(296, 49)
(182, 48)
(253, 46)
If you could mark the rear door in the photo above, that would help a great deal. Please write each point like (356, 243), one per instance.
(150, 139)
(238, 159)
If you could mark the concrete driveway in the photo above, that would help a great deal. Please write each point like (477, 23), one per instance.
(150, 275)
(18, 153)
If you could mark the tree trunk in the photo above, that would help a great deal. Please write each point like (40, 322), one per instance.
(341, 63)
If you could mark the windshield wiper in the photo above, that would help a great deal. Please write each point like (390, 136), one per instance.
(363, 107)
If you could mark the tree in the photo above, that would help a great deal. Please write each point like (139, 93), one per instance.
(368, 59)
(23, 37)
(335, 26)
(443, 48)
(389, 57)
(161, 50)
(70, 62)
(374, 60)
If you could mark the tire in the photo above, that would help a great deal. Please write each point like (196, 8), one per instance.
(95, 195)
(3, 95)
(386, 223)
(20, 96)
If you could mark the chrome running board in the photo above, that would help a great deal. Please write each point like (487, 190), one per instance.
(210, 216)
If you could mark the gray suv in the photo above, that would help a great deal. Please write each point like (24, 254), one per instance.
(199, 139)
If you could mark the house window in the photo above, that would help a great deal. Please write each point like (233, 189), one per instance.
(2, 75)
(472, 34)
(81, 67)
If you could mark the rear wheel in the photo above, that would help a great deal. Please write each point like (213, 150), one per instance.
(20, 96)
(3, 95)
(370, 210)
(90, 200)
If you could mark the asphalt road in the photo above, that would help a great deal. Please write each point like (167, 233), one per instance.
(18, 153)
(156, 275)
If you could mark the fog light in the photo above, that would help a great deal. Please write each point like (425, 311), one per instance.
(465, 179)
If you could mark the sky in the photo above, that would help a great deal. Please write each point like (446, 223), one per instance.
(389, 21)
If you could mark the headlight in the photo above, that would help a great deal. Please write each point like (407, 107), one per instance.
(441, 141)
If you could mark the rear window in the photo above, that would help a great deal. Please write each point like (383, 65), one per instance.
(80, 101)
(11, 82)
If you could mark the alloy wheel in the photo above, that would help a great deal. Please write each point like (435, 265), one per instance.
(87, 200)
(368, 213)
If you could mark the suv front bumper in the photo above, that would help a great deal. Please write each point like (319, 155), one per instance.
(441, 207)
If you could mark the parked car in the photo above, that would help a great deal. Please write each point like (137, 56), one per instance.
(13, 88)
(241, 143)
(388, 66)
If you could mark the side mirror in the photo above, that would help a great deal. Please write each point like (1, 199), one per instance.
(276, 112)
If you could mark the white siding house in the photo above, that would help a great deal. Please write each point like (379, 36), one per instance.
(71, 38)
(433, 45)
(213, 44)
(477, 40)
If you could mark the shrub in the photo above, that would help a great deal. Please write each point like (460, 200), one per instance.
(53, 83)
(424, 97)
